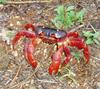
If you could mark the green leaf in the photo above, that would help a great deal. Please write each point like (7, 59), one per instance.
(66, 17)
(68, 20)
(89, 41)
(60, 10)
(71, 14)
(58, 18)
(87, 34)
(97, 42)
(3, 1)
(70, 8)
(76, 55)
(96, 35)
(80, 15)
(58, 24)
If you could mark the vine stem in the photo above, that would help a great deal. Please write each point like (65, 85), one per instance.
(28, 2)
(92, 27)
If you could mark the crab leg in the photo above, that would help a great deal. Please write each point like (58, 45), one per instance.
(21, 34)
(28, 53)
(79, 43)
(25, 50)
(86, 53)
(56, 61)
(68, 56)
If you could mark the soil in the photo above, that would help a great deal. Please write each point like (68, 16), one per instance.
(16, 73)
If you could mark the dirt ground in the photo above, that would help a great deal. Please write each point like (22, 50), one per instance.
(16, 73)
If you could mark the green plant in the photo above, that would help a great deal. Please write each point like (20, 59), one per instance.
(3, 1)
(76, 55)
(91, 37)
(9, 34)
(67, 16)
(68, 73)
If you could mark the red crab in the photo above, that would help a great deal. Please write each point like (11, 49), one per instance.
(50, 36)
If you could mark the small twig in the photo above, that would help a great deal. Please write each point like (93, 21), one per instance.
(46, 81)
(57, 80)
(95, 49)
(15, 77)
(22, 82)
(95, 58)
(96, 4)
(76, 28)
(28, 2)
(21, 86)
(92, 27)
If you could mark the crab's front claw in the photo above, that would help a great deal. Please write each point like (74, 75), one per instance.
(56, 61)
(53, 69)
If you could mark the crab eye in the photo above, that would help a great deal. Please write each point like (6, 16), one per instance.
(60, 34)
(53, 35)
(41, 34)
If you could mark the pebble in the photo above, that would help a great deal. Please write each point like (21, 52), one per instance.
(98, 85)
(15, 53)
(3, 17)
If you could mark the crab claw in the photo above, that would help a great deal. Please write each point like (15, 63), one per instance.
(28, 53)
(56, 61)
(53, 69)
(29, 25)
